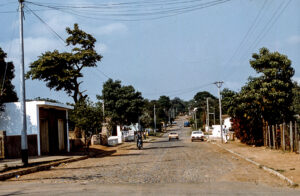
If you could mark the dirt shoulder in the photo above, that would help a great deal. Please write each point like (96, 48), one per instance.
(286, 163)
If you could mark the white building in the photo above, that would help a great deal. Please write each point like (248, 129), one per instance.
(216, 132)
(47, 128)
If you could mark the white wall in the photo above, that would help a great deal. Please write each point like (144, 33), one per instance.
(10, 120)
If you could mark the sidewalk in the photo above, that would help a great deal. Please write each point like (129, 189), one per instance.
(13, 167)
(286, 163)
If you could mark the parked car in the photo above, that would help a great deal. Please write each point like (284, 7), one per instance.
(173, 135)
(197, 135)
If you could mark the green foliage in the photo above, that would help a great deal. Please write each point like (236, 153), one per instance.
(245, 108)
(275, 85)
(179, 105)
(268, 97)
(123, 105)
(7, 91)
(200, 103)
(61, 71)
(86, 116)
(163, 108)
(227, 99)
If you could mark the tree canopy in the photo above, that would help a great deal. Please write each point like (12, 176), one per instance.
(7, 89)
(275, 84)
(266, 98)
(86, 116)
(62, 70)
(123, 105)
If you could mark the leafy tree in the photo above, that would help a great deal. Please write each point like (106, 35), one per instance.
(246, 111)
(7, 89)
(268, 97)
(227, 99)
(276, 85)
(86, 116)
(163, 108)
(62, 70)
(179, 105)
(199, 102)
(123, 105)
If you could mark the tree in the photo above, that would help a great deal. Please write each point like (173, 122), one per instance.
(268, 97)
(62, 71)
(276, 85)
(163, 108)
(7, 89)
(246, 112)
(123, 105)
(227, 99)
(86, 116)
(199, 102)
(179, 105)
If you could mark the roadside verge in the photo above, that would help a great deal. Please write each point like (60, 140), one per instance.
(238, 152)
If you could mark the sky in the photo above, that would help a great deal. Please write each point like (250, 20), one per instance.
(176, 55)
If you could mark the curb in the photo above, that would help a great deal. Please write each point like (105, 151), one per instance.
(37, 168)
(271, 171)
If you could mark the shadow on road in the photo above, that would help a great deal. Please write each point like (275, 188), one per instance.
(162, 147)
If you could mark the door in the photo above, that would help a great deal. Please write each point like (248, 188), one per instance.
(61, 135)
(44, 136)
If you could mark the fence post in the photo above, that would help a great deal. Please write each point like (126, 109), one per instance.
(269, 137)
(296, 138)
(264, 133)
(291, 137)
(283, 136)
(273, 134)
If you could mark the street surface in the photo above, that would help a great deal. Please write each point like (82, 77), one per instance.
(161, 168)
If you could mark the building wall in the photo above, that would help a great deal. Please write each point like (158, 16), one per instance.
(13, 146)
(10, 120)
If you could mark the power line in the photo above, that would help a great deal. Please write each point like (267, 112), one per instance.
(240, 46)
(143, 16)
(277, 13)
(49, 28)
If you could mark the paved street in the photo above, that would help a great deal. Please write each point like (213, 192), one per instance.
(161, 168)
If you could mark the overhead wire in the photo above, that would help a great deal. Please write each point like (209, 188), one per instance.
(49, 28)
(273, 19)
(157, 15)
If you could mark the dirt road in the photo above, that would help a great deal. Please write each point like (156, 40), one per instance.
(161, 168)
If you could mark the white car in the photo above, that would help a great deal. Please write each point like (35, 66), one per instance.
(197, 135)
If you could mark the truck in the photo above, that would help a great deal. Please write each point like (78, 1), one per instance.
(186, 124)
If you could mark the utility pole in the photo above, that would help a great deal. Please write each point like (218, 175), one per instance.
(219, 84)
(103, 111)
(154, 120)
(207, 114)
(24, 145)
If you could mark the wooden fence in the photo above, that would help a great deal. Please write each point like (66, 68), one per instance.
(2, 149)
(284, 136)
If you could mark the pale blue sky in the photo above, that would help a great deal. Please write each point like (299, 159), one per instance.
(173, 56)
